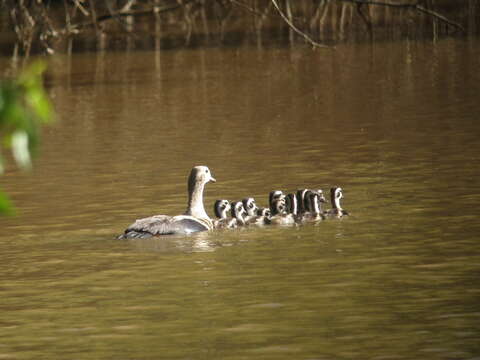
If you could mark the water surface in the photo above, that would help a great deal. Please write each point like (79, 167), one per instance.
(394, 123)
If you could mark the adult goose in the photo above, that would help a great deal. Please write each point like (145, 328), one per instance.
(193, 220)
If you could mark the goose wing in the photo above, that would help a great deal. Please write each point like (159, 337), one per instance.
(164, 225)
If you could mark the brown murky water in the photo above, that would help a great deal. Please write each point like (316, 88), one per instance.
(394, 123)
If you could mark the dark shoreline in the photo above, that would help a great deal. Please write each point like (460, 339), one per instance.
(326, 23)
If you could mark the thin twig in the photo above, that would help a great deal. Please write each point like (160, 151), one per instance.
(127, 6)
(415, 6)
(261, 14)
(102, 18)
(305, 36)
(82, 9)
(115, 16)
(246, 7)
(67, 15)
(440, 17)
(94, 15)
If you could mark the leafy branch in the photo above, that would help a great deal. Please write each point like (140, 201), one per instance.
(24, 106)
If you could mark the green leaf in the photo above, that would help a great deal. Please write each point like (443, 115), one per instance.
(35, 97)
(32, 73)
(6, 207)
(24, 106)
(39, 103)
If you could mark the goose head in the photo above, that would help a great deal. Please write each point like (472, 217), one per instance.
(238, 212)
(221, 208)
(335, 195)
(200, 175)
(250, 206)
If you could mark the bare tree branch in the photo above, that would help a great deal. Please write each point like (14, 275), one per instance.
(440, 17)
(115, 16)
(246, 7)
(31, 19)
(294, 28)
(102, 18)
(82, 9)
(414, 6)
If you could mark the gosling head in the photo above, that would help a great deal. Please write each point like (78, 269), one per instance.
(221, 208)
(250, 206)
(238, 211)
(264, 212)
(275, 194)
(321, 196)
(279, 206)
(273, 197)
(335, 195)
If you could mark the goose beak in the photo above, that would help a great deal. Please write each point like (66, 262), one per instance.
(212, 179)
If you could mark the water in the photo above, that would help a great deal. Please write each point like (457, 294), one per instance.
(393, 123)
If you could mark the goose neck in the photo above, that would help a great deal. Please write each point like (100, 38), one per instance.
(195, 201)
